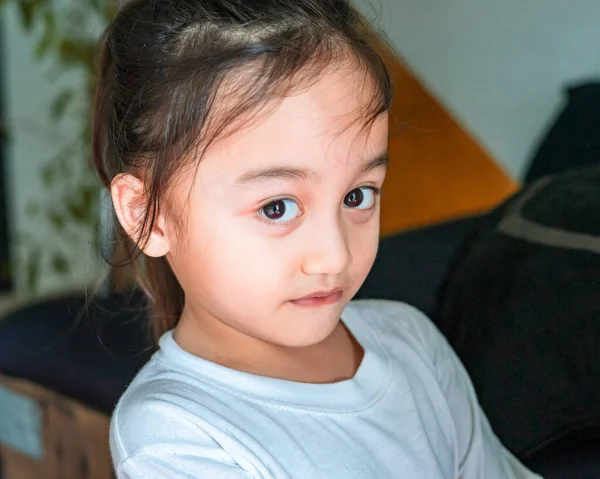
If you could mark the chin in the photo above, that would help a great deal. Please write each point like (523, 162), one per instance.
(312, 330)
(307, 340)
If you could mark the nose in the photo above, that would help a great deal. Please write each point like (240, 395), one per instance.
(327, 250)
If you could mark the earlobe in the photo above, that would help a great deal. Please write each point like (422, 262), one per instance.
(129, 199)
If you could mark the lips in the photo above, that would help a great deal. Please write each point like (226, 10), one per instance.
(319, 294)
(319, 298)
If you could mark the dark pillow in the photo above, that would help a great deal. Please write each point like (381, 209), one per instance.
(87, 350)
(521, 307)
(573, 139)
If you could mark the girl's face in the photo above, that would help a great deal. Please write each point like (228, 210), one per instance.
(282, 224)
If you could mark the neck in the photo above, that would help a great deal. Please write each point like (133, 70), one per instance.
(334, 359)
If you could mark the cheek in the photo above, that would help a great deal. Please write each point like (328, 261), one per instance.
(222, 259)
(363, 247)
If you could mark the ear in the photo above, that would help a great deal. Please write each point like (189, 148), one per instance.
(129, 200)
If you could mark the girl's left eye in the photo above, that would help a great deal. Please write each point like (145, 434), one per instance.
(280, 211)
(362, 198)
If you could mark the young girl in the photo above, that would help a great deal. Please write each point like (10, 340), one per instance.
(244, 145)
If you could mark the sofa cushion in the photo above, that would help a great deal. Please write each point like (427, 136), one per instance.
(87, 350)
(521, 307)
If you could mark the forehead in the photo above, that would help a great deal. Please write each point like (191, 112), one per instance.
(320, 127)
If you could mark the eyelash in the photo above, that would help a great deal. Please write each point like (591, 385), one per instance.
(376, 191)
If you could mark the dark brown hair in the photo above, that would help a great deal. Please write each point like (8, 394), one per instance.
(162, 64)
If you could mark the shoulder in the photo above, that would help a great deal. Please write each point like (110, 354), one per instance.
(403, 331)
(158, 409)
(386, 319)
(158, 430)
(169, 424)
(386, 309)
(409, 336)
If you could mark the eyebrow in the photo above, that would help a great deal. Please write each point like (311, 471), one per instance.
(288, 173)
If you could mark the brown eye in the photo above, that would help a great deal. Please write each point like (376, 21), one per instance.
(354, 198)
(361, 198)
(280, 211)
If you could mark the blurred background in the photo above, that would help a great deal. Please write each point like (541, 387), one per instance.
(49, 240)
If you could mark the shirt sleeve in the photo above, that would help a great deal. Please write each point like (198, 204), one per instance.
(480, 453)
(177, 466)
(153, 437)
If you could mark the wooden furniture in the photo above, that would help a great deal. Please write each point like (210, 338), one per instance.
(73, 439)
(438, 170)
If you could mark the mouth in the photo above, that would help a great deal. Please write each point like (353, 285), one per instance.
(320, 298)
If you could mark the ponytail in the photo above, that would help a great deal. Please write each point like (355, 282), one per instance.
(153, 275)
(164, 292)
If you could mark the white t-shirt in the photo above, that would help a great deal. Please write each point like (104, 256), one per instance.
(409, 412)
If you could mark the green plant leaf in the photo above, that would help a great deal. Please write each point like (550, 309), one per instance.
(42, 47)
(89, 196)
(5, 134)
(75, 209)
(49, 37)
(50, 19)
(62, 161)
(82, 203)
(27, 9)
(5, 270)
(96, 4)
(110, 10)
(59, 264)
(62, 36)
(77, 51)
(32, 269)
(47, 174)
(57, 220)
(61, 103)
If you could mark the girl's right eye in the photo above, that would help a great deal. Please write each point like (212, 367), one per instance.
(280, 211)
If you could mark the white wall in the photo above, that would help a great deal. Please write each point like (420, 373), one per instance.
(28, 91)
(498, 66)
